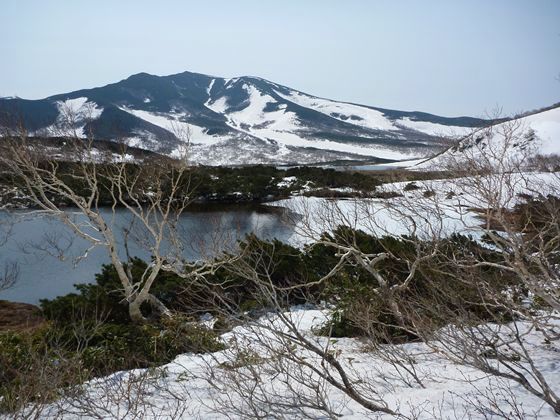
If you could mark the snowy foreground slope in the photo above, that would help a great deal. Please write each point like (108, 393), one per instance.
(207, 386)
(243, 120)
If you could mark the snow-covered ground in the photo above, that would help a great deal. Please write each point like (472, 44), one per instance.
(79, 109)
(547, 128)
(215, 386)
(433, 207)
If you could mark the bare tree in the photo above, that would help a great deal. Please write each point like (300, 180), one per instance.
(89, 177)
(11, 269)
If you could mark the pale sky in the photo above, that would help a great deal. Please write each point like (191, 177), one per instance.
(445, 57)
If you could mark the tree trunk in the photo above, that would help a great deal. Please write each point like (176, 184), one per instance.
(135, 312)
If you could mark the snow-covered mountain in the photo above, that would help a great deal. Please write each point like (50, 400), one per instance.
(242, 120)
(532, 133)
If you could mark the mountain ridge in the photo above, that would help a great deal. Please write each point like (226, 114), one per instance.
(239, 120)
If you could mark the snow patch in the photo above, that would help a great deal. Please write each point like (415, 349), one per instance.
(349, 113)
(254, 114)
(174, 123)
(547, 128)
(287, 181)
(73, 114)
(79, 108)
(433, 129)
(209, 89)
(219, 106)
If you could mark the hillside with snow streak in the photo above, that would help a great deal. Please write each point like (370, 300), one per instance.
(532, 134)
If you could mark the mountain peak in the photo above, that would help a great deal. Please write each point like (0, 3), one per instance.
(141, 75)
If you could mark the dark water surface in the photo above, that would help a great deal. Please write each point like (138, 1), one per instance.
(47, 271)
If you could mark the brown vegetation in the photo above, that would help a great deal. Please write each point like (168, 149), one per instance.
(16, 316)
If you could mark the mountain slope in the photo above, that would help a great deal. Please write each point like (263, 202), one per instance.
(235, 121)
(538, 131)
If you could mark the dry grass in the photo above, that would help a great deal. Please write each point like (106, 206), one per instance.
(15, 316)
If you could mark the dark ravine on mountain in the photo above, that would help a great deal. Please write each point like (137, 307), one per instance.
(243, 120)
